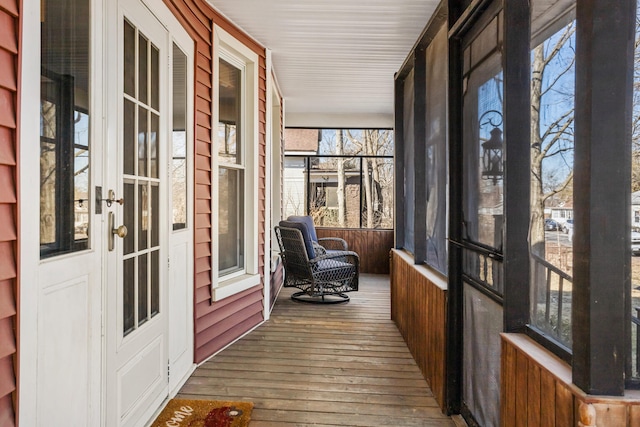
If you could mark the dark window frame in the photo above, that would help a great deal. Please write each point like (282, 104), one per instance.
(64, 144)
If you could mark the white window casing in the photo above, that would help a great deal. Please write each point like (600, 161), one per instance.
(229, 49)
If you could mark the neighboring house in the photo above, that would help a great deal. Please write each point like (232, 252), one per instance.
(635, 209)
(560, 213)
(297, 142)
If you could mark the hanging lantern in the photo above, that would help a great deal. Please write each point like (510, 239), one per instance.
(492, 148)
(492, 156)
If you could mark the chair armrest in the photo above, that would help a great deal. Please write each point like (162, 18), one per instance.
(320, 250)
(349, 257)
(333, 243)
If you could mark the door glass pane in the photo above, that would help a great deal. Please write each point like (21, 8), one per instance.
(153, 145)
(143, 216)
(155, 283)
(128, 295)
(65, 201)
(154, 215)
(143, 69)
(155, 78)
(129, 59)
(129, 217)
(231, 221)
(129, 137)
(142, 141)
(179, 140)
(483, 189)
(143, 289)
(229, 121)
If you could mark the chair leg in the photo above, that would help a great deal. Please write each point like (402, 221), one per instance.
(324, 299)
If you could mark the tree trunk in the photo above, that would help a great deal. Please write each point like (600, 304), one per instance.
(341, 184)
(537, 191)
(377, 189)
(367, 179)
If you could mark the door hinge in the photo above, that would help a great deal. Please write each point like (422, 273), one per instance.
(168, 369)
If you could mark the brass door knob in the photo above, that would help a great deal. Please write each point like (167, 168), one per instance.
(120, 231)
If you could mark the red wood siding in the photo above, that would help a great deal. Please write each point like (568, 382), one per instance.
(218, 324)
(373, 246)
(418, 308)
(9, 65)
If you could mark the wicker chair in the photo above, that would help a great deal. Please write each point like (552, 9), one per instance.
(321, 276)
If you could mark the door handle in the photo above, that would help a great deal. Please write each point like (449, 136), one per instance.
(112, 199)
(120, 231)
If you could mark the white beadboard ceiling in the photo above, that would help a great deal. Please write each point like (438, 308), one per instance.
(334, 59)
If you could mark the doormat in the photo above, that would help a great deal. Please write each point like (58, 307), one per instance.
(204, 413)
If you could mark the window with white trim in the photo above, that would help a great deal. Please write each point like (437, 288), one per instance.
(235, 165)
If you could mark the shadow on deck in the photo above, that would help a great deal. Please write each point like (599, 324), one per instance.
(337, 365)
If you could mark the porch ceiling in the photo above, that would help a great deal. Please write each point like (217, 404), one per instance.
(334, 59)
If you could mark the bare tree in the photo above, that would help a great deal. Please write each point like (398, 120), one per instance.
(553, 139)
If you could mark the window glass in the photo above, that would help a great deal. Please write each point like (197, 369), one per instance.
(552, 142)
(408, 133)
(635, 212)
(348, 185)
(179, 140)
(482, 186)
(64, 128)
(436, 164)
(231, 194)
(230, 108)
(230, 221)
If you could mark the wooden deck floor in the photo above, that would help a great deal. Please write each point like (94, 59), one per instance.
(340, 365)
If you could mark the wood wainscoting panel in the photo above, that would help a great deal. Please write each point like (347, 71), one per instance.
(536, 390)
(418, 308)
(373, 246)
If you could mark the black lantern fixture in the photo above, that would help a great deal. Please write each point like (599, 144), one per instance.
(492, 148)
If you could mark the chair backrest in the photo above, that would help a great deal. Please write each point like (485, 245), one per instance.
(293, 252)
(306, 236)
(308, 221)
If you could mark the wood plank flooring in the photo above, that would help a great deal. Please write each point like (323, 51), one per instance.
(323, 365)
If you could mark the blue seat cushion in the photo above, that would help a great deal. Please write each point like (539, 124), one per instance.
(308, 221)
(306, 235)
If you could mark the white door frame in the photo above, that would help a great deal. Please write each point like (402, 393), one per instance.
(273, 184)
(32, 271)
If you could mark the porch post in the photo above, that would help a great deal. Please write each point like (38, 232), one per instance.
(601, 257)
(453, 368)
(517, 163)
(398, 161)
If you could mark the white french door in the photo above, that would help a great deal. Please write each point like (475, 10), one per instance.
(136, 376)
(107, 321)
(139, 177)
